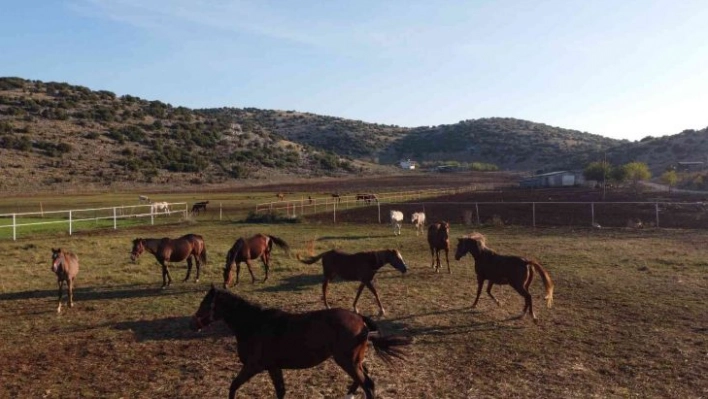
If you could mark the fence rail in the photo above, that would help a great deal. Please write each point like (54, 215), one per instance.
(75, 217)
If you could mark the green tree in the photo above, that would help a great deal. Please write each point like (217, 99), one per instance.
(636, 172)
(669, 178)
(599, 171)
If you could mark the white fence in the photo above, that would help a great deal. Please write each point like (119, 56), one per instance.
(102, 217)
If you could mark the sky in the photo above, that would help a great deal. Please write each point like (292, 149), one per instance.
(622, 69)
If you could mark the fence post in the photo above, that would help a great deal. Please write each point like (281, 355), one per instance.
(533, 208)
(152, 215)
(656, 207)
(378, 204)
(220, 210)
(69, 222)
(476, 208)
(115, 221)
(14, 227)
(334, 212)
(185, 210)
(592, 213)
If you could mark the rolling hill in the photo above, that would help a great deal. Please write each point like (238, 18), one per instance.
(56, 134)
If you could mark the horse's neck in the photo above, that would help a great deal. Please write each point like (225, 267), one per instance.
(152, 244)
(242, 317)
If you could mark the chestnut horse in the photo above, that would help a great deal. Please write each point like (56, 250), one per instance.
(361, 266)
(503, 269)
(172, 250)
(273, 340)
(258, 246)
(66, 266)
(439, 240)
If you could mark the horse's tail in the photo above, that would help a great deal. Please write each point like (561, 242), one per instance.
(203, 255)
(547, 282)
(281, 243)
(387, 347)
(312, 259)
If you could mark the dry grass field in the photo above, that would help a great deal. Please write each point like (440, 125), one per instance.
(629, 320)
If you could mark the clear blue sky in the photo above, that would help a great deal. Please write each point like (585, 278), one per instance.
(623, 69)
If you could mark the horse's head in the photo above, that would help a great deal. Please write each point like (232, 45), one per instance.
(57, 259)
(206, 313)
(138, 249)
(473, 243)
(394, 257)
(231, 260)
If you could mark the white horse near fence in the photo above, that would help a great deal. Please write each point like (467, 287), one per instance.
(158, 207)
(396, 221)
(418, 219)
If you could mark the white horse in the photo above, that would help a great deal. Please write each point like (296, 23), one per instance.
(396, 221)
(418, 219)
(158, 207)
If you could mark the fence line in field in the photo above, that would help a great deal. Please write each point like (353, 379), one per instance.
(637, 214)
(108, 213)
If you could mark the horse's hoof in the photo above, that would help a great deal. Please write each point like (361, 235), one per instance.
(71, 305)
(196, 280)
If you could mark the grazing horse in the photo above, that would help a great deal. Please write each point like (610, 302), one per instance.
(158, 207)
(418, 220)
(503, 269)
(361, 266)
(367, 198)
(274, 340)
(199, 206)
(66, 266)
(172, 250)
(439, 240)
(280, 196)
(336, 198)
(396, 221)
(143, 198)
(258, 246)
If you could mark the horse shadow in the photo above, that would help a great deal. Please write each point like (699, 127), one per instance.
(299, 282)
(102, 293)
(169, 329)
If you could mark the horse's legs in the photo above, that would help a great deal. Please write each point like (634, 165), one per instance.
(238, 270)
(199, 266)
(489, 291)
(277, 376)
(70, 284)
(166, 278)
(324, 291)
(243, 376)
(519, 287)
(437, 260)
(447, 259)
(253, 278)
(432, 258)
(189, 267)
(358, 293)
(370, 285)
(349, 364)
(266, 263)
(61, 284)
(480, 283)
(529, 278)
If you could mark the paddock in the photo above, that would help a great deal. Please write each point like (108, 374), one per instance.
(628, 320)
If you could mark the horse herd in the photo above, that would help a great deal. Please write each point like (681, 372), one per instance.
(272, 340)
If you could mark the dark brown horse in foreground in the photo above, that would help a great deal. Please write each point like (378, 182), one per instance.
(503, 269)
(243, 250)
(273, 340)
(172, 250)
(361, 266)
(66, 266)
(439, 240)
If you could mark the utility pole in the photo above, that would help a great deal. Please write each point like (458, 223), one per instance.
(604, 176)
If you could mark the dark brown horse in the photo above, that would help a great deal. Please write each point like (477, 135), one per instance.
(439, 240)
(503, 269)
(272, 340)
(361, 266)
(172, 250)
(66, 266)
(199, 206)
(243, 250)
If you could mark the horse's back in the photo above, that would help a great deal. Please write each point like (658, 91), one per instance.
(349, 266)
(72, 264)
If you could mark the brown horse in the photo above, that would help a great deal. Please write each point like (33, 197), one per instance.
(199, 206)
(439, 240)
(336, 197)
(361, 266)
(258, 246)
(281, 196)
(273, 340)
(503, 269)
(172, 250)
(66, 266)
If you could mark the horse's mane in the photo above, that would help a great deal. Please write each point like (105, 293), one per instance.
(254, 317)
(479, 237)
